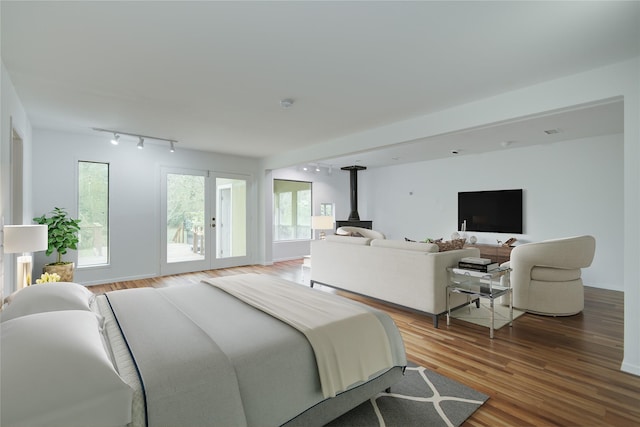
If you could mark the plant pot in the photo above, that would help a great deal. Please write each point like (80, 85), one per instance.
(65, 271)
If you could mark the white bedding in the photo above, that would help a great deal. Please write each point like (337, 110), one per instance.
(349, 342)
(123, 362)
(273, 363)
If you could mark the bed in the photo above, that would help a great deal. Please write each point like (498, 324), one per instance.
(197, 354)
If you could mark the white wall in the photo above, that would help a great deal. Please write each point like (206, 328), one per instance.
(134, 195)
(325, 188)
(570, 188)
(12, 116)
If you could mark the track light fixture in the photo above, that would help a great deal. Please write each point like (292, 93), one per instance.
(316, 168)
(141, 138)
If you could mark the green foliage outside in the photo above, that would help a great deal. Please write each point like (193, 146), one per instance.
(185, 204)
(93, 205)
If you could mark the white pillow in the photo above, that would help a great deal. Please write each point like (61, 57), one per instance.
(55, 372)
(48, 297)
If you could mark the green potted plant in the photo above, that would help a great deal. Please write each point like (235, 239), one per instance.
(63, 235)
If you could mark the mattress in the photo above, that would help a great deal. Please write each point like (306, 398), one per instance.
(123, 362)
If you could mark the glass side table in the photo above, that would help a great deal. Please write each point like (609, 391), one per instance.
(479, 284)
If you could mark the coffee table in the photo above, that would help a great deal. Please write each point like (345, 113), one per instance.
(479, 284)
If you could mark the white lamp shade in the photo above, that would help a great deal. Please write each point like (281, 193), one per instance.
(25, 238)
(322, 222)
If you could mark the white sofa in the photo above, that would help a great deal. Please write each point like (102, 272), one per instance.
(409, 274)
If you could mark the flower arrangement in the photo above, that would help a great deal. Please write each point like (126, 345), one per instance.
(48, 278)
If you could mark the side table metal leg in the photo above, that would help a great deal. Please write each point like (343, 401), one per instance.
(510, 307)
(448, 307)
(492, 317)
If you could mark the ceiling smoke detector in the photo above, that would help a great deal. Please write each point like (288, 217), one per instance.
(552, 131)
(286, 103)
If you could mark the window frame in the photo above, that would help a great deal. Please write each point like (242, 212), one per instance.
(296, 232)
(107, 237)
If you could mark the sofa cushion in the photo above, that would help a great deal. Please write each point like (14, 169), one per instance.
(550, 274)
(360, 232)
(399, 244)
(451, 245)
(364, 241)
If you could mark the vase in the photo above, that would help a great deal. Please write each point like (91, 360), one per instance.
(65, 271)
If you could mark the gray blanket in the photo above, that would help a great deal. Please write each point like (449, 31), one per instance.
(273, 364)
(185, 374)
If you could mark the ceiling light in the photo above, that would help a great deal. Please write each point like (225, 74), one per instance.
(116, 138)
(304, 168)
(286, 103)
(317, 169)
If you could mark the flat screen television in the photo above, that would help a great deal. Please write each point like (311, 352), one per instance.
(497, 211)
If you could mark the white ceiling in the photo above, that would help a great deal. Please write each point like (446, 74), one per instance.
(211, 74)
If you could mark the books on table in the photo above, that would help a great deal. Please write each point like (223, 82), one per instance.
(476, 260)
(477, 264)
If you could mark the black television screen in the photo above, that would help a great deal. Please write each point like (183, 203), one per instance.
(491, 211)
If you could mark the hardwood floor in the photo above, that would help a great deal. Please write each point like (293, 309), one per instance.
(544, 371)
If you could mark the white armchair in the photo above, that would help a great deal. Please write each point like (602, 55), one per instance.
(546, 276)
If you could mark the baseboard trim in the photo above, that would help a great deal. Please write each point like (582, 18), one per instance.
(630, 368)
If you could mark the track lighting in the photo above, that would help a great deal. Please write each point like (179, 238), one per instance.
(316, 168)
(116, 138)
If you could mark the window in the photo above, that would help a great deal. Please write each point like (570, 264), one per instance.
(326, 209)
(291, 210)
(93, 208)
(185, 217)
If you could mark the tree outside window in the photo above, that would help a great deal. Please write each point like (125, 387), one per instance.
(93, 209)
(291, 210)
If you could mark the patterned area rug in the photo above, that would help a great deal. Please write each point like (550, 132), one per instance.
(421, 398)
(482, 316)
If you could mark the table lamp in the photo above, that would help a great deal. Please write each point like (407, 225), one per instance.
(322, 223)
(25, 239)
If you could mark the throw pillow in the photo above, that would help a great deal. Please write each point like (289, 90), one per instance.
(450, 245)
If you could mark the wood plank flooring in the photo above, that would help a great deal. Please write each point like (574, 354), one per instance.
(544, 371)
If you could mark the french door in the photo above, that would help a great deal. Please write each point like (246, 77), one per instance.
(204, 220)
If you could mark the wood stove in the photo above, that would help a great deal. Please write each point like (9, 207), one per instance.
(354, 217)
